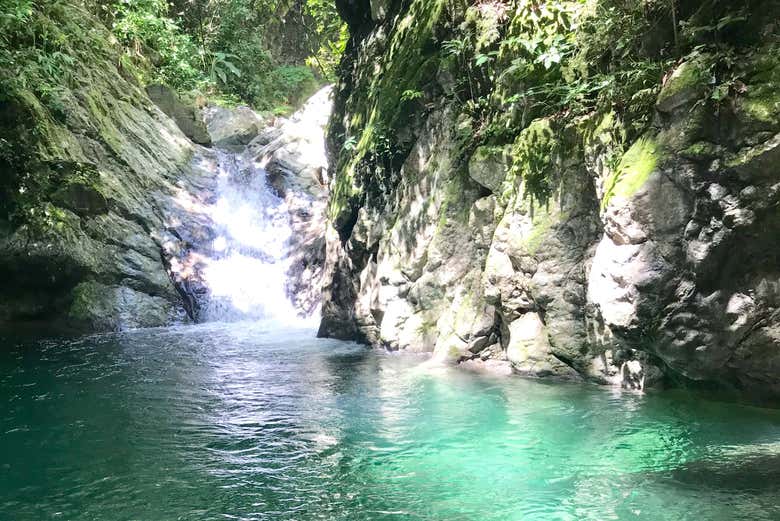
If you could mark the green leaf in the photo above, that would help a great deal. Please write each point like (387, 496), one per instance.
(482, 59)
(232, 68)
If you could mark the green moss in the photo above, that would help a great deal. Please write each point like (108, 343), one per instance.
(543, 220)
(761, 101)
(485, 153)
(763, 105)
(686, 82)
(534, 163)
(746, 159)
(88, 297)
(634, 169)
(53, 142)
(101, 114)
(766, 65)
(701, 151)
(453, 209)
(409, 63)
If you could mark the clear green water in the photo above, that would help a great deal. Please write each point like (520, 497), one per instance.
(244, 422)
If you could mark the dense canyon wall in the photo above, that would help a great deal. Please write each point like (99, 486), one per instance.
(570, 188)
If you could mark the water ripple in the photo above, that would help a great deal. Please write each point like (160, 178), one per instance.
(248, 422)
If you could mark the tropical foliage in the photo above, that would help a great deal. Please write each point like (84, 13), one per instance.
(268, 53)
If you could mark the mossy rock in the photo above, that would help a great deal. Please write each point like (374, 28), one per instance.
(186, 116)
(685, 85)
(534, 161)
(89, 155)
(635, 168)
(701, 151)
(83, 199)
(489, 166)
(380, 127)
(100, 307)
(543, 221)
(759, 107)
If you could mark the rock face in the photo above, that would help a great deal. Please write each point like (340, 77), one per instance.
(187, 117)
(654, 257)
(232, 127)
(81, 229)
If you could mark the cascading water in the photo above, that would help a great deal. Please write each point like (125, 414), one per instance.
(248, 267)
(244, 238)
(237, 234)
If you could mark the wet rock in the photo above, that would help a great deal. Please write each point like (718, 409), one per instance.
(488, 367)
(754, 163)
(98, 307)
(232, 127)
(494, 351)
(632, 375)
(81, 198)
(293, 155)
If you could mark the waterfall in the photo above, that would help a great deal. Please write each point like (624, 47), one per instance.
(246, 231)
(247, 270)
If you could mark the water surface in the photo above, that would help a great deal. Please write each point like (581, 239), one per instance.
(249, 422)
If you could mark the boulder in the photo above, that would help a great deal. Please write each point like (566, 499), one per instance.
(684, 85)
(529, 349)
(187, 117)
(232, 127)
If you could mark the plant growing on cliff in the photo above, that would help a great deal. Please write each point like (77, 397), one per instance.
(459, 50)
(350, 144)
(411, 95)
(535, 160)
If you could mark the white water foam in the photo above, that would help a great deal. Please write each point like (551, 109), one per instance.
(232, 250)
(246, 272)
